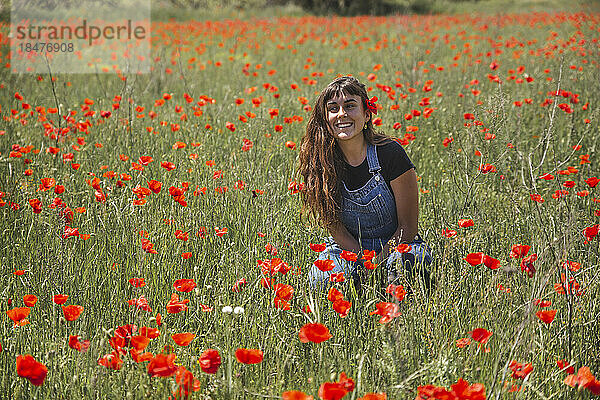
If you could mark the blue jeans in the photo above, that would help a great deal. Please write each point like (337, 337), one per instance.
(414, 262)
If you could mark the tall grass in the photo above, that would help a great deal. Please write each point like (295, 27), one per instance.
(417, 348)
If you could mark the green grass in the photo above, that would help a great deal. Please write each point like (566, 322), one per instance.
(417, 348)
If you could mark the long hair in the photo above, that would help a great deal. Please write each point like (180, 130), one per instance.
(321, 159)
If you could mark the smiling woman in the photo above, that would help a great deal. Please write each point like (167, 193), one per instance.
(361, 186)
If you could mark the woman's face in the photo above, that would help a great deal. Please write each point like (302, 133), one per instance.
(346, 116)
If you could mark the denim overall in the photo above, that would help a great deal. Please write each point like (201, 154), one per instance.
(369, 214)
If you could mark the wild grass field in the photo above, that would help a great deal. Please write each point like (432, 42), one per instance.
(152, 244)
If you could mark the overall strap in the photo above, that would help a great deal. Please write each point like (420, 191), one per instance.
(372, 159)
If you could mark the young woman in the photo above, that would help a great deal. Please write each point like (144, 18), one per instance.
(361, 186)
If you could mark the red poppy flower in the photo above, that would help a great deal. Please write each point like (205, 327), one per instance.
(60, 299)
(141, 303)
(449, 233)
(464, 223)
(397, 291)
(584, 379)
(175, 306)
(565, 366)
(403, 248)
(592, 181)
(336, 390)
(155, 186)
(148, 247)
(145, 160)
(387, 311)
(19, 315)
(374, 396)
(210, 361)
(75, 344)
(319, 247)
(295, 395)
(519, 250)
(30, 300)
(490, 262)
(150, 333)
(184, 285)
(480, 335)
(169, 166)
(591, 232)
(520, 371)
(183, 339)
(162, 365)
(546, 316)
(527, 265)
(290, 145)
(474, 258)
(29, 368)
(72, 312)
(334, 295)
(283, 291)
(137, 282)
(324, 265)
(315, 333)
(342, 307)
(249, 356)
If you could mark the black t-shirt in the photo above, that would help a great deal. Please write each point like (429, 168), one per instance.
(393, 161)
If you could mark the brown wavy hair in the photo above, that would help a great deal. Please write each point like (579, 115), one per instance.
(320, 157)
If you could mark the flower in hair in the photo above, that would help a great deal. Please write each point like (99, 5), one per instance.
(371, 106)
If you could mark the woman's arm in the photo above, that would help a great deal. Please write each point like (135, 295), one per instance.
(406, 195)
(344, 239)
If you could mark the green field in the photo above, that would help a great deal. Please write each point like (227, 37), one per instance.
(488, 107)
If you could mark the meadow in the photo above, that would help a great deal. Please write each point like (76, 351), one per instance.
(152, 243)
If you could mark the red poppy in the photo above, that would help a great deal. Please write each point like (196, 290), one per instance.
(348, 255)
(449, 233)
(334, 295)
(72, 312)
(465, 223)
(592, 181)
(283, 291)
(162, 365)
(520, 371)
(289, 144)
(591, 232)
(374, 396)
(155, 186)
(336, 390)
(184, 285)
(584, 379)
(342, 307)
(19, 315)
(175, 306)
(148, 247)
(319, 247)
(519, 250)
(387, 311)
(210, 361)
(60, 299)
(397, 291)
(403, 248)
(137, 282)
(474, 258)
(324, 265)
(186, 255)
(565, 366)
(29, 368)
(220, 232)
(141, 303)
(490, 262)
(186, 383)
(145, 160)
(295, 395)
(183, 339)
(527, 265)
(315, 333)
(150, 333)
(249, 356)
(169, 166)
(546, 316)
(30, 300)
(75, 344)
(480, 335)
